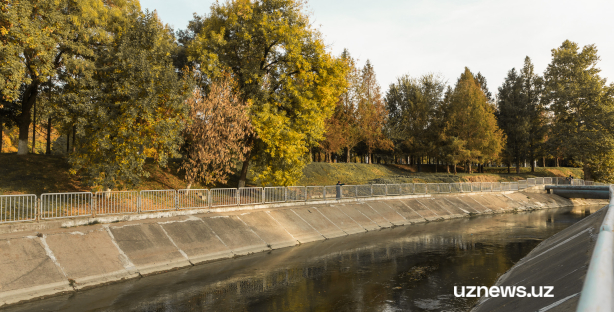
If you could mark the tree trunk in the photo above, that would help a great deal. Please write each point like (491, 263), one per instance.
(557, 161)
(243, 176)
(1, 133)
(48, 147)
(469, 167)
(67, 142)
(347, 155)
(370, 159)
(34, 130)
(448, 168)
(454, 168)
(29, 98)
(587, 173)
(509, 170)
(544, 162)
(74, 134)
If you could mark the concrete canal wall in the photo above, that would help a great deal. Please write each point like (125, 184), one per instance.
(45, 258)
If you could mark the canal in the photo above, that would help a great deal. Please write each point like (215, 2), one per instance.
(412, 267)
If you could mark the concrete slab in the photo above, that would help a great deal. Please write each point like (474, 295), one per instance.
(510, 202)
(407, 212)
(236, 235)
(297, 227)
(27, 272)
(434, 207)
(521, 199)
(196, 240)
(372, 214)
(456, 202)
(269, 230)
(148, 247)
(560, 261)
(453, 209)
(543, 199)
(341, 219)
(317, 220)
(359, 217)
(387, 212)
(421, 209)
(489, 201)
(89, 257)
(470, 201)
(500, 201)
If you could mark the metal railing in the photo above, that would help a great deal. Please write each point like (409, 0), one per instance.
(598, 285)
(17, 208)
(65, 205)
(116, 202)
(192, 198)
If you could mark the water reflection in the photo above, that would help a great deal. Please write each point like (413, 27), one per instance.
(404, 268)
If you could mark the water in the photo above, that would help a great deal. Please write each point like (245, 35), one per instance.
(405, 268)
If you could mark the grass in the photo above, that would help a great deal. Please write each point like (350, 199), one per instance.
(37, 174)
(329, 174)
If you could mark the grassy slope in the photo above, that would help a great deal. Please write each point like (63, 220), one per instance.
(36, 174)
(329, 174)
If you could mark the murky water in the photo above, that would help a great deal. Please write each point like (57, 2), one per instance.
(408, 268)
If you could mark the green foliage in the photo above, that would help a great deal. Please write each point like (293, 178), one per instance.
(470, 128)
(582, 107)
(282, 69)
(522, 115)
(136, 107)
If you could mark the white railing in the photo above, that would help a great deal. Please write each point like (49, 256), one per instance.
(419, 188)
(379, 189)
(296, 193)
(316, 193)
(221, 197)
(157, 200)
(16, 208)
(393, 189)
(274, 194)
(250, 196)
(116, 202)
(192, 198)
(65, 205)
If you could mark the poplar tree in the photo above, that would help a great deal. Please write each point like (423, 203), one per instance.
(282, 69)
(582, 106)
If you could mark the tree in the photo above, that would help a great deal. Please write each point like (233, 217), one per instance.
(39, 37)
(372, 113)
(582, 107)
(413, 106)
(470, 126)
(512, 118)
(136, 108)
(532, 91)
(219, 121)
(282, 69)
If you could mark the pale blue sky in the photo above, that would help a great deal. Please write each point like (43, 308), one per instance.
(418, 37)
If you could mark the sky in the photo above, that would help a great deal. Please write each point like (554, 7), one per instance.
(444, 37)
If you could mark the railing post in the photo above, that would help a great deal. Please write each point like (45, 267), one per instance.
(138, 203)
(371, 190)
(238, 197)
(176, 201)
(285, 194)
(305, 193)
(93, 204)
(386, 189)
(38, 209)
(263, 196)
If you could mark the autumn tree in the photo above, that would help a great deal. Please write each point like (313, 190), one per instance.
(470, 127)
(136, 108)
(40, 38)
(372, 113)
(282, 69)
(219, 121)
(582, 106)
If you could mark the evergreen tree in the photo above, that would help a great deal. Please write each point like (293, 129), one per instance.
(470, 126)
(582, 106)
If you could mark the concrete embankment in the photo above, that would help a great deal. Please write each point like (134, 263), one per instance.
(40, 259)
(560, 262)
